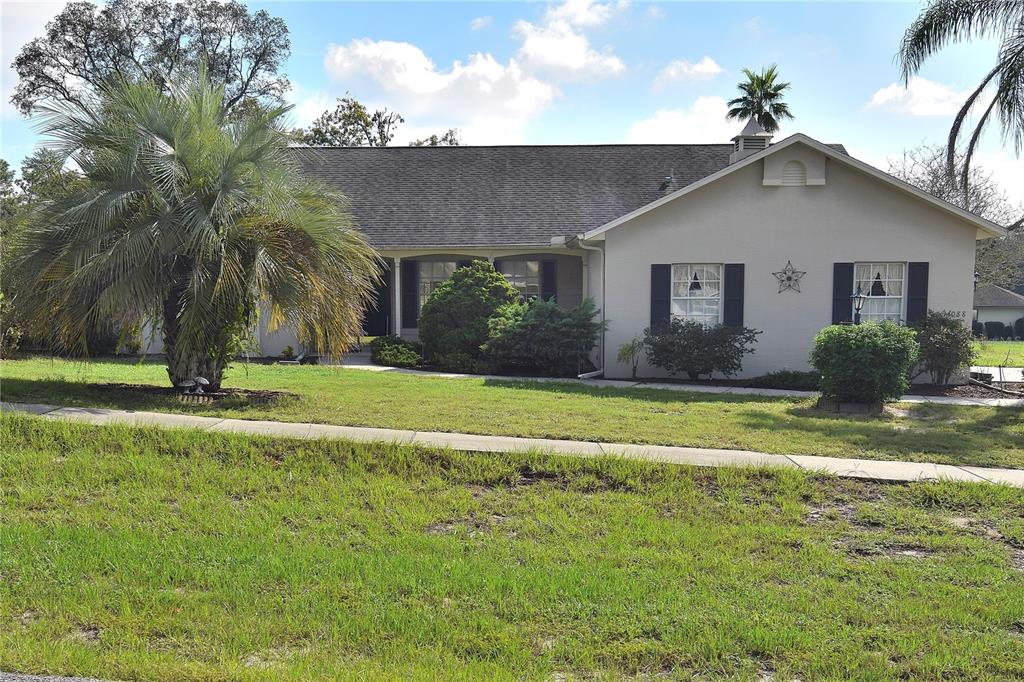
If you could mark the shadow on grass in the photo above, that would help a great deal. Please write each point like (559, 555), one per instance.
(967, 435)
(136, 397)
(661, 395)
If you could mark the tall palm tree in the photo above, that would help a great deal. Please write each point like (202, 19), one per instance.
(950, 21)
(761, 99)
(192, 223)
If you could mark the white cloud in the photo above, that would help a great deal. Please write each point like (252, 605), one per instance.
(684, 71)
(308, 104)
(480, 23)
(753, 27)
(1006, 170)
(921, 97)
(487, 100)
(584, 12)
(702, 122)
(558, 46)
(655, 12)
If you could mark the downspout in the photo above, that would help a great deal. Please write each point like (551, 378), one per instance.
(579, 242)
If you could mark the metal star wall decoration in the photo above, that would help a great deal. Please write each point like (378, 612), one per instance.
(789, 278)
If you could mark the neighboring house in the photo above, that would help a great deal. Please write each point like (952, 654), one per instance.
(772, 236)
(996, 304)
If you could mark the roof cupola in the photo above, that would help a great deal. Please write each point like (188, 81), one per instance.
(751, 140)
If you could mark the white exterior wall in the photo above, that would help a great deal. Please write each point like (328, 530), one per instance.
(1004, 315)
(737, 219)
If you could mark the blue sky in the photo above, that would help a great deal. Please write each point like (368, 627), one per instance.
(593, 72)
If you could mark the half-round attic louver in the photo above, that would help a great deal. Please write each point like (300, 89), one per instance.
(794, 174)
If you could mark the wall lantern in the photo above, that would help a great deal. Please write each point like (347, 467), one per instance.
(858, 304)
(977, 278)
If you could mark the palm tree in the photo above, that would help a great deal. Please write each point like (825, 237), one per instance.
(191, 223)
(949, 21)
(761, 99)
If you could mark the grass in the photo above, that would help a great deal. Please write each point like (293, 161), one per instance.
(938, 433)
(130, 553)
(1000, 353)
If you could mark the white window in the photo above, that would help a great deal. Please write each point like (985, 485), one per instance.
(697, 292)
(524, 275)
(882, 283)
(432, 273)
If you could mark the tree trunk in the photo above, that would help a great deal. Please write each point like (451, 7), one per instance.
(181, 364)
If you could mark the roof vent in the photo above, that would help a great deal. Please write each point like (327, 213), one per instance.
(751, 140)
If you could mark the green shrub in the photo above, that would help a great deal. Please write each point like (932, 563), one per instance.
(394, 351)
(454, 320)
(978, 329)
(995, 330)
(946, 346)
(540, 337)
(288, 353)
(1018, 328)
(460, 363)
(787, 380)
(865, 363)
(694, 349)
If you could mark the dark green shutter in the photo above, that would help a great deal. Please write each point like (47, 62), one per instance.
(661, 294)
(497, 264)
(377, 319)
(917, 291)
(842, 290)
(732, 294)
(548, 279)
(410, 293)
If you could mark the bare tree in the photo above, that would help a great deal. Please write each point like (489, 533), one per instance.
(999, 261)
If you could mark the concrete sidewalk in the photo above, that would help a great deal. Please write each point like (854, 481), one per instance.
(361, 361)
(850, 468)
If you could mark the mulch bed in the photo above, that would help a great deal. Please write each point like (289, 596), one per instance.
(250, 396)
(968, 390)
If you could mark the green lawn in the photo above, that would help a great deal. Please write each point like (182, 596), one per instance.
(176, 555)
(1004, 353)
(966, 435)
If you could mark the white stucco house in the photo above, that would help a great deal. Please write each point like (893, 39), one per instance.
(996, 304)
(773, 236)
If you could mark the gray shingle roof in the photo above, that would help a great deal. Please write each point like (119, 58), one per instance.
(512, 195)
(992, 296)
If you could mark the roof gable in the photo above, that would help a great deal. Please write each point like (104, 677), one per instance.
(986, 227)
(993, 296)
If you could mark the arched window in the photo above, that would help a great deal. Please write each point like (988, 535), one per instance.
(794, 174)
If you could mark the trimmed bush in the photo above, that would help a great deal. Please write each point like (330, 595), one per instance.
(453, 323)
(394, 351)
(865, 363)
(946, 346)
(1018, 328)
(540, 337)
(694, 349)
(978, 329)
(787, 380)
(995, 330)
(460, 363)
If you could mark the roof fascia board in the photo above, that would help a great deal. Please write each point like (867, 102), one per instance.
(986, 226)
